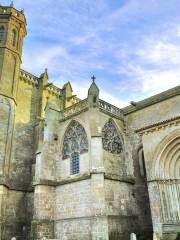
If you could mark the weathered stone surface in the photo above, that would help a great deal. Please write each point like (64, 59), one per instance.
(128, 174)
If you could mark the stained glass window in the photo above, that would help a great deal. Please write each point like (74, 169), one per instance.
(111, 139)
(75, 164)
(75, 140)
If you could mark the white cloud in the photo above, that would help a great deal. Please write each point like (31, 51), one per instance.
(80, 37)
(80, 89)
(110, 98)
(40, 58)
(160, 52)
(156, 81)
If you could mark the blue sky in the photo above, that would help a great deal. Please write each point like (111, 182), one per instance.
(131, 46)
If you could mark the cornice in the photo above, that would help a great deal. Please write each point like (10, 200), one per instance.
(159, 125)
(152, 100)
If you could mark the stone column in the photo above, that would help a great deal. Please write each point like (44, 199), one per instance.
(99, 220)
(43, 220)
(155, 205)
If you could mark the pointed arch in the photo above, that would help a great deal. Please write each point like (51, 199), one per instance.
(166, 162)
(14, 37)
(75, 140)
(141, 160)
(2, 33)
(166, 169)
(111, 139)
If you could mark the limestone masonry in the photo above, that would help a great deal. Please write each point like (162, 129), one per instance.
(74, 169)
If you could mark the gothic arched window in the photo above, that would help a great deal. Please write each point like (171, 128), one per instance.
(111, 139)
(141, 162)
(14, 37)
(2, 31)
(75, 140)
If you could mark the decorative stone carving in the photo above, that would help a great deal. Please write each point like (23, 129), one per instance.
(75, 109)
(107, 107)
(75, 140)
(111, 140)
(165, 170)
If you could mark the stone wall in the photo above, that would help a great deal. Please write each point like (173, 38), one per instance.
(43, 218)
(23, 154)
(84, 198)
(73, 210)
(73, 200)
(163, 183)
(150, 115)
(121, 208)
(72, 229)
(15, 217)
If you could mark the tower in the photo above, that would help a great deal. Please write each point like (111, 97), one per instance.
(12, 32)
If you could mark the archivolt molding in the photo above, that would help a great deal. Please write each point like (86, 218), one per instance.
(166, 172)
(159, 125)
(166, 160)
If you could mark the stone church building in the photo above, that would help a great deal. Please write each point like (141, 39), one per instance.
(74, 169)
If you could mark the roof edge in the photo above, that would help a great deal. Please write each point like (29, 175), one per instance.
(152, 100)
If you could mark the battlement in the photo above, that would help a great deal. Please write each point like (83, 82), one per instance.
(11, 11)
(28, 77)
(33, 80)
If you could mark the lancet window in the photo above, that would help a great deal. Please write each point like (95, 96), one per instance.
(2, 31)
(14, 37)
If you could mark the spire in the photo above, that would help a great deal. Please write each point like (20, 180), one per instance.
(12, 4)
(93, 88)
(93, 93)
(44, 76)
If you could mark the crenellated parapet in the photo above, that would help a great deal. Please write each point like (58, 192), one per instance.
(33, 80)
(53, 90)
(10, 10)
(28, 77)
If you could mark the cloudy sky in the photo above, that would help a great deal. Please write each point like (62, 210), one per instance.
(131, 46)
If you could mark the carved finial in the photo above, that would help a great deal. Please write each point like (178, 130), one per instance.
(46, 70)
(93, 94)
(22, 10)
(12, 4)
(93, 78)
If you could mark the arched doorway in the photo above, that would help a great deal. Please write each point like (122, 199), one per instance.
(167, 174)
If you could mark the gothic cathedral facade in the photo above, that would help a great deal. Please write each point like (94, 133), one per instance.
(74, 169)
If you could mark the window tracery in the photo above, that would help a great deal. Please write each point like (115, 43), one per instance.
(75, 140)
(111, 140)
(14, 36)
(2, 30)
